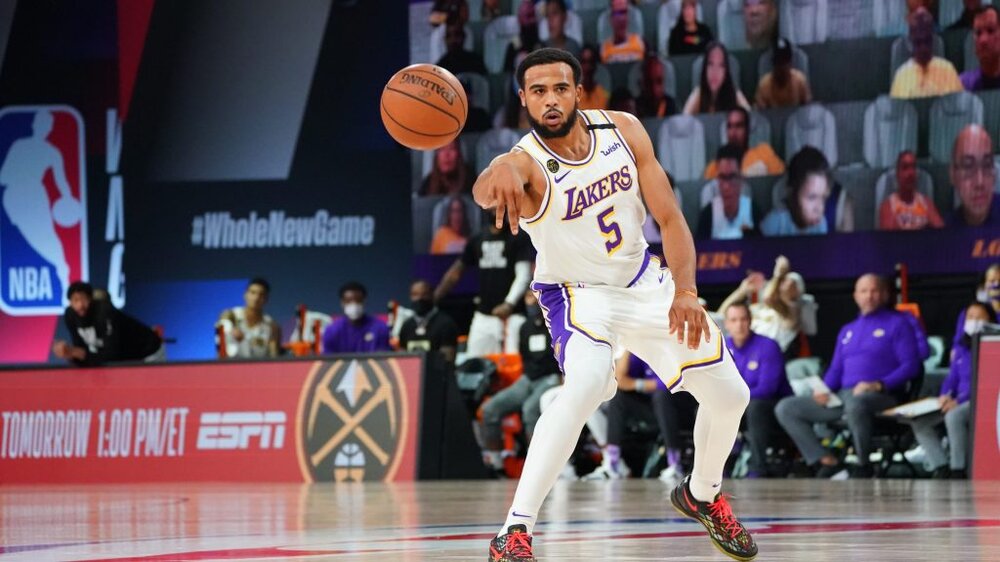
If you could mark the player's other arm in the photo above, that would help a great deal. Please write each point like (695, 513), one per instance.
(59, 174)
(678, 245)
(506, 185)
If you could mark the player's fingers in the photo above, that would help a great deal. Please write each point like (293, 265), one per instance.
(512, 211)
(694, 331)
(705, 326)
(672, 318)
(501, 209)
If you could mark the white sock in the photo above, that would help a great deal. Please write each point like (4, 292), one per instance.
(722, 397)
(515, 517)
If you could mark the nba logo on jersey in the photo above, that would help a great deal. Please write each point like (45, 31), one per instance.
(43, 208)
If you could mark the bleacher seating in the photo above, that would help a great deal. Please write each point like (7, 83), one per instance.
(815, 126)
(804, 21)
(681, 147)
(890, 128)
(949, 115)
(731, 30)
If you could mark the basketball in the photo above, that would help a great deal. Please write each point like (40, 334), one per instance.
(424, 107)
(67, 212)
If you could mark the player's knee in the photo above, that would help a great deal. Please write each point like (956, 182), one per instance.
(730, 391)
(587, 388)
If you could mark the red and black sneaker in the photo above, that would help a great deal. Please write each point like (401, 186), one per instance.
(725, 531)
(515, 546)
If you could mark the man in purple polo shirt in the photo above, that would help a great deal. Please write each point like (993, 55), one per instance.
(986, 34)
(355, 331)
(876, 356)
(760, 361)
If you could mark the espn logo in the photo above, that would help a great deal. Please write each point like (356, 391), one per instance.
(233, 430)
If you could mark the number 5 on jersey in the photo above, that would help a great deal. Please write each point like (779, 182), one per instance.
(610, 230)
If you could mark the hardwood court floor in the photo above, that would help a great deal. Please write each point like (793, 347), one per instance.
(793, 520)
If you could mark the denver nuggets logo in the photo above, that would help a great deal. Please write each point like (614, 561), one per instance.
(552, 165)
(352, 421)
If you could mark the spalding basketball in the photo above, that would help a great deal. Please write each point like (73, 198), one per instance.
(424, 107)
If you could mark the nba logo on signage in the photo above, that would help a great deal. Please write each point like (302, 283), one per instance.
(43, 208)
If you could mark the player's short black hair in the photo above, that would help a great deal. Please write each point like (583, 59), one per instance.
(353, 286)
(729, 152)
(80, 287)
(548, 55)
(262, 282)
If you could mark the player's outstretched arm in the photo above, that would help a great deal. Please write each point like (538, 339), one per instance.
(678, 244)
(505, 185)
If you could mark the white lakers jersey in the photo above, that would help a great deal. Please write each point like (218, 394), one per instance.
(588, 228)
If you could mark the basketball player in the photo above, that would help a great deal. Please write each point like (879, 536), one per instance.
(576, 183)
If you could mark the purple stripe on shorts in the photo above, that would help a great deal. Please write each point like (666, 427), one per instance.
(642, 269)
(550, 298)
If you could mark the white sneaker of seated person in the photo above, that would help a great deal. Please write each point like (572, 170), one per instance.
(672, 476)
(607, 471)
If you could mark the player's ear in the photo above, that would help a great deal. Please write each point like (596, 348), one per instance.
(520, 94)
(579, 92)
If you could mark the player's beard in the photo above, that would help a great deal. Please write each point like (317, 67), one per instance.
(547, 133)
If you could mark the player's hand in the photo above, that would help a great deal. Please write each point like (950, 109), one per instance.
(60, 349)
(505, 189)
(503, 311)
(947, 403)
(781, 266)
(686, 310)
(753, 282)
(864, 388)
(821, 398)
(237, 334)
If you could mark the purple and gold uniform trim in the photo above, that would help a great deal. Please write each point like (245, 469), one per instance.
(556, 301)
(544, 209)
(716, 358)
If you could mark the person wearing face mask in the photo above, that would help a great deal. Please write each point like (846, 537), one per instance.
(541, 372)
(989, 294)
(954, 400)
(355, 331)
(429, 329)
(875, 358)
